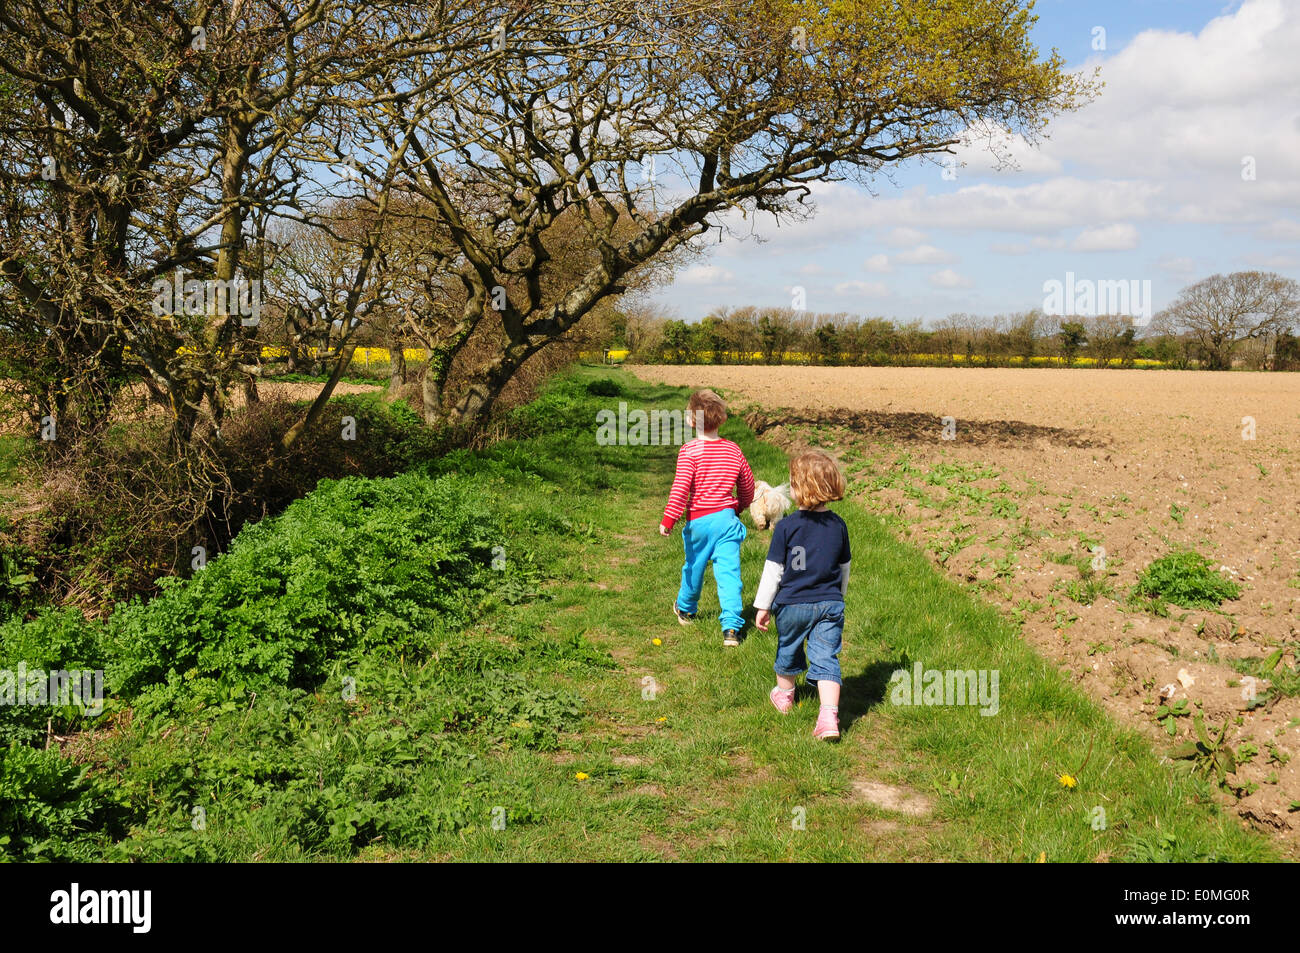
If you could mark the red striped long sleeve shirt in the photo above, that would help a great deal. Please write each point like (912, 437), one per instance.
(707, 470)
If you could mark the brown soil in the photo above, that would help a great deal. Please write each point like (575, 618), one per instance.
(890, 797)
(137, 403)
(1042, 470)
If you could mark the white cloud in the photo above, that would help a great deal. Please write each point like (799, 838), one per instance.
(879, 264)
(903, 237)
(1282, 230)
(926, 255)
(989, 149)
(1284, 262)
(1178, 103)
(1164, 141)
(813, 269)
(1009, 248)
(949, 279)
(837, 219)
(1041, 207)
(1117, 237)
(1180, 266)
(871, 289)
(705, 275)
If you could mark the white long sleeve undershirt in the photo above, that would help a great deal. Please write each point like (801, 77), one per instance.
(769, 584)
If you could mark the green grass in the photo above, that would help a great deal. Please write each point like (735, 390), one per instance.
(15, 561)
(731, 771)
(14, 454)
(680, 753)
(300, 378)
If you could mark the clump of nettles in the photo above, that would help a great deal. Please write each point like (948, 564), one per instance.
(1185, 579)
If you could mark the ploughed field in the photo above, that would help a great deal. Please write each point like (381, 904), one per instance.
(143, 406)
(1050, 491)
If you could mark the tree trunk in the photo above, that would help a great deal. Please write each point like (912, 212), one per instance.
(396, 363)
(318, 405)
(431, 395)
(491, 380)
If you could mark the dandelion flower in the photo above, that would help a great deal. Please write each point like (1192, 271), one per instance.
(661, 720)
(656, 641)
(581, 776)
(1067, 781)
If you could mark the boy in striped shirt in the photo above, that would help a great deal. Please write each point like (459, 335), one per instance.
(708, 468)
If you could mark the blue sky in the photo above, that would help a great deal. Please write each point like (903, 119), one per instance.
(1146, 183)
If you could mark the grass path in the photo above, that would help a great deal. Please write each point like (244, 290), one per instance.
(696, 765)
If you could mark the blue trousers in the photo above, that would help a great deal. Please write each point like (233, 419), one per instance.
(715, 538)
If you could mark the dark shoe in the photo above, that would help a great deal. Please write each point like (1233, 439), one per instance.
(731, 638)
(683, 618)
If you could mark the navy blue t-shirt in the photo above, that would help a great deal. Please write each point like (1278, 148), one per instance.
(811, 546)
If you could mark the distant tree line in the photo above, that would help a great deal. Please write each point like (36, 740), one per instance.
(1247, 320)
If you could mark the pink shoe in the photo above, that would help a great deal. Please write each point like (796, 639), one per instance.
(782, 700)
(828, 726)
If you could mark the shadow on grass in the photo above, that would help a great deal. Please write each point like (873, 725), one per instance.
(864, 691)
(859, 693)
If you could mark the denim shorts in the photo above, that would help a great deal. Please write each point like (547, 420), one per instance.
(822, 625)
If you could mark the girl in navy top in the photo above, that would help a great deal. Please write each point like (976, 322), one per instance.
(804, 581)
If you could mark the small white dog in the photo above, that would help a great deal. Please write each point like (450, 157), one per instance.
(770, 503)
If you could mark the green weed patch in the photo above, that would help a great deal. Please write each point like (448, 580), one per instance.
(1185, 579)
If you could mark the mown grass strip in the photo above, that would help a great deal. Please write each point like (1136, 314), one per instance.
(722, 776)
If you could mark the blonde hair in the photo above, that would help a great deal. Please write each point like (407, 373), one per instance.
(708, 407)
(815, 479)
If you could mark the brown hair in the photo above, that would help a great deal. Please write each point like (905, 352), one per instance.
(815, 479)
(710, 408)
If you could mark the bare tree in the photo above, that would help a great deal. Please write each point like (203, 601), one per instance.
(643, 323)
(948, 336)
(1023, 333)
(1108, 335)
(1222, 311)
(651, 118)
(499, 170)
(157, 143)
